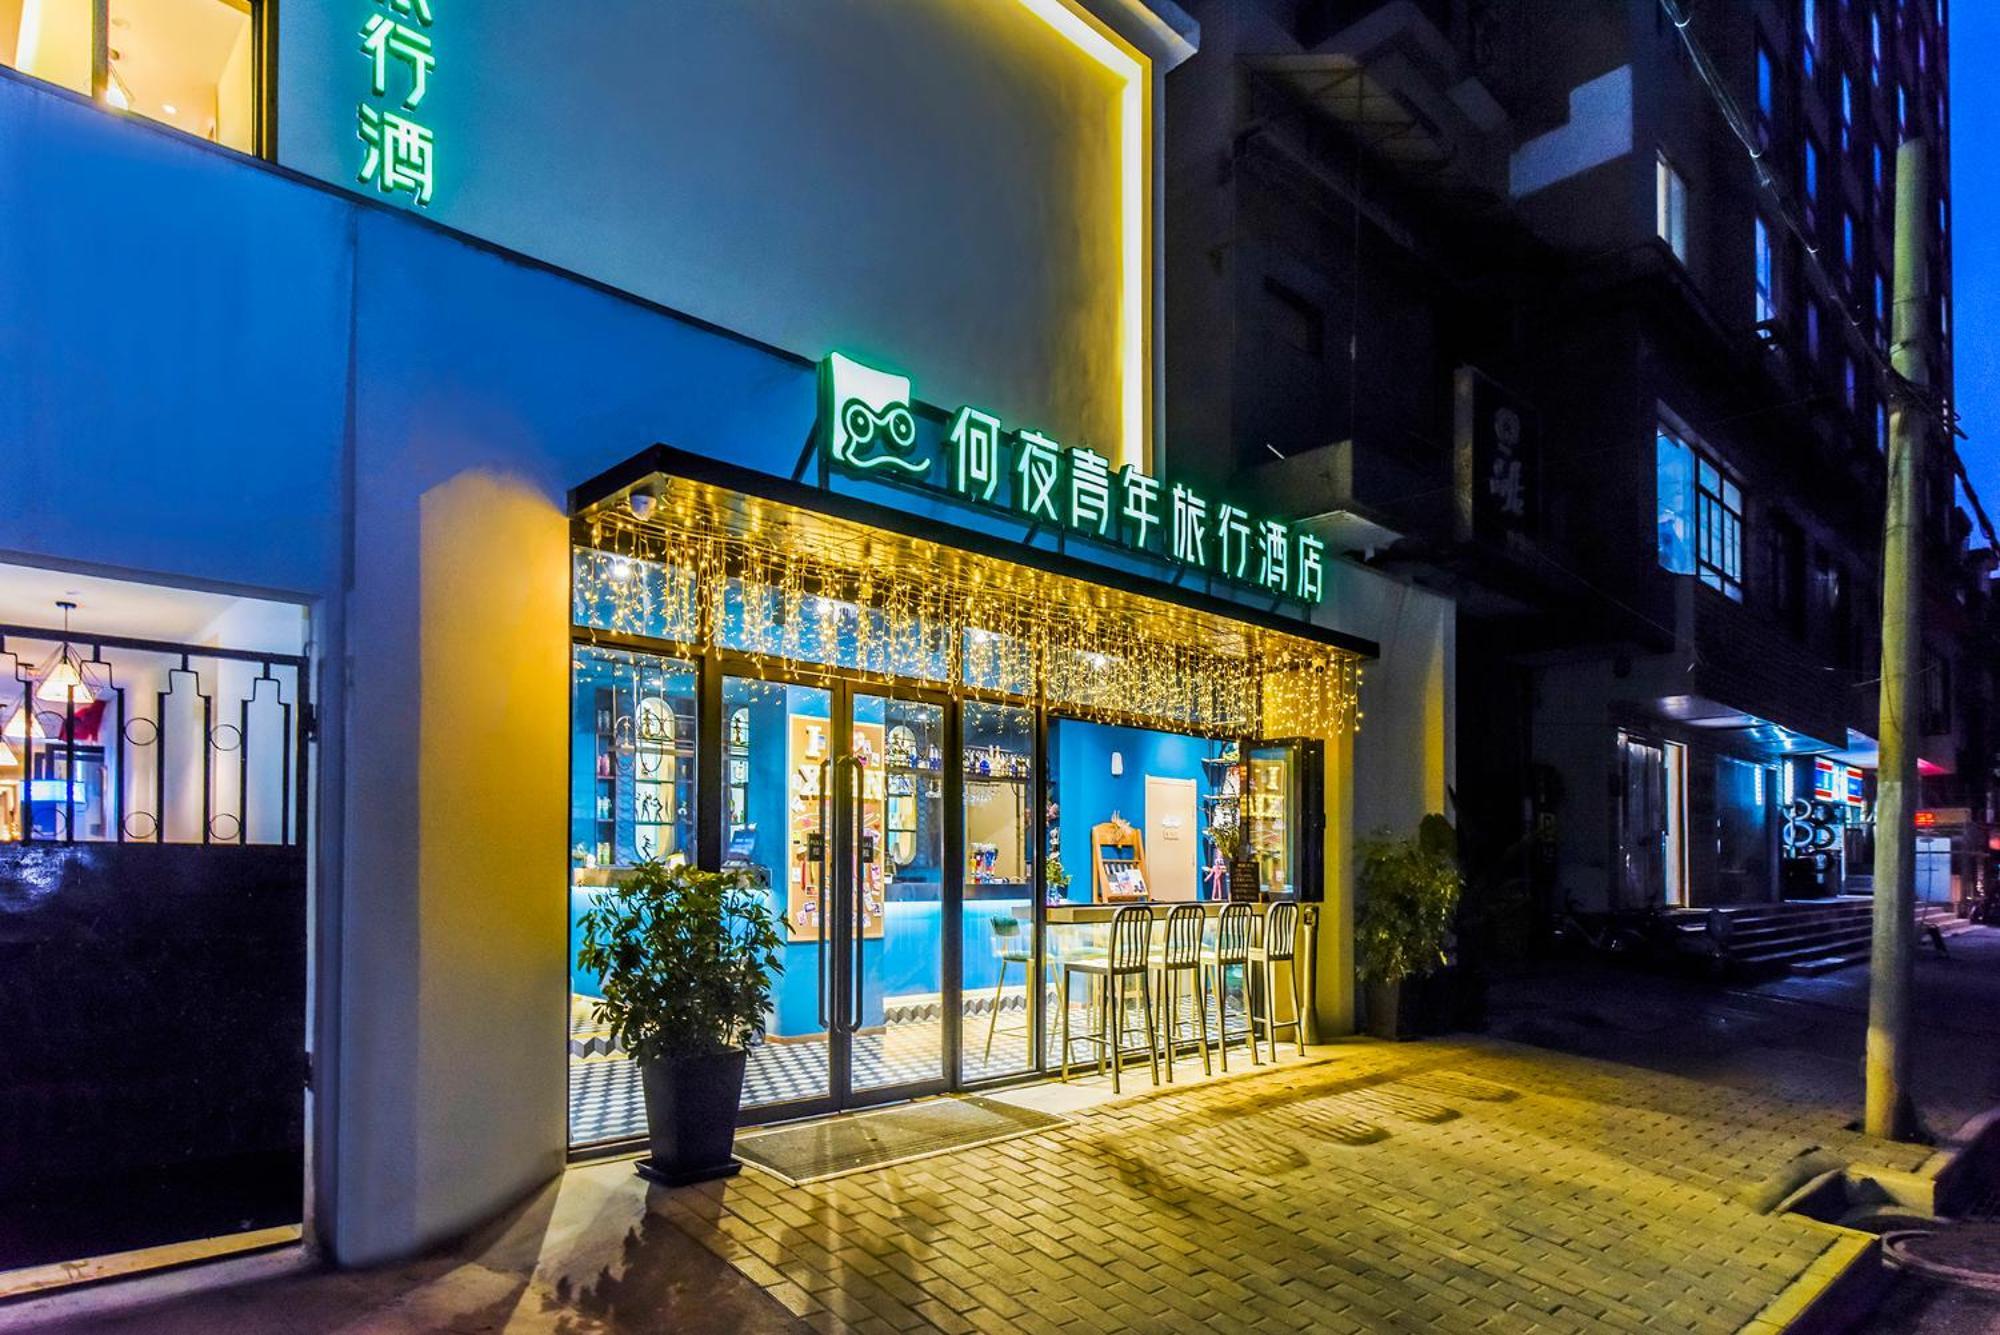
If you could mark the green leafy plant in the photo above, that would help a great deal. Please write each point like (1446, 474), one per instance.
(1410, 889)
(687, 959)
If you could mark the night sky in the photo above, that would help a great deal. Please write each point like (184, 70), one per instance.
(1975, 179)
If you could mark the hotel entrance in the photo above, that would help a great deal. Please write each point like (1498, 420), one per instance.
(944, 768)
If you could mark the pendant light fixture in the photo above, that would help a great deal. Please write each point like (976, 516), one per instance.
(65, 684)
(22, 720)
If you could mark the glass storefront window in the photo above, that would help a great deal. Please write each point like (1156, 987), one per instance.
(185, 63)
(632, 597)
(632, 757)
(999, 916)
(810, 628)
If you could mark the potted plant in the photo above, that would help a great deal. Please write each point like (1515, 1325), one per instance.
(1410, 889)
(687, 959)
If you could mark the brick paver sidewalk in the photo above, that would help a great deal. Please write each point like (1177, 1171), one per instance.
(1461, 1186)
(1434, 1187)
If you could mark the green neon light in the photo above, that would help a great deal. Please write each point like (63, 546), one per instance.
(868, 418)
(400, 154)
(1232, 530)
(420, 10)
(1089, 491)
(975, 438)
(1190, 527)
(867, 424)
(1311, 577)
(1138, 506)
(384, 39)
(1274, 566)
(1037, 472)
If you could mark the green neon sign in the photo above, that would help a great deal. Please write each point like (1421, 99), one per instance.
(869, 427)
(399, 152)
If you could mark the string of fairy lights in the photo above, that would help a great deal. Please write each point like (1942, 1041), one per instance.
(970, 621)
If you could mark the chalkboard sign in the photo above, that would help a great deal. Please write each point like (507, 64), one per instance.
(1244, 886)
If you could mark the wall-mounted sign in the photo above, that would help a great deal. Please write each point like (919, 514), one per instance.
(1496, 461)
(1943, 818)
(867, 427)
(399, 152)
(1857, 787)
(1826, 780)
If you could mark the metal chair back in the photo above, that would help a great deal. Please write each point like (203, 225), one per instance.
(1131, 938)
(1010, 935)
(1184, 928)
(1232, 935)
(1281, 931)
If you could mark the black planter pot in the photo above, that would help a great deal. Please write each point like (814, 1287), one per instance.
(1391, 1013)
(691, 1105)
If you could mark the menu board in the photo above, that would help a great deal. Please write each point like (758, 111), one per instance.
(1245, 886)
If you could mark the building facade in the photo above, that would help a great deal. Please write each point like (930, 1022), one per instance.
(1579, 314)
(466, 450)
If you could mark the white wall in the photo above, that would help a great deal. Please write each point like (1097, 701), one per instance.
(933, 185)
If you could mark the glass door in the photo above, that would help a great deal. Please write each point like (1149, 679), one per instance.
(779, 781)
(894, 889)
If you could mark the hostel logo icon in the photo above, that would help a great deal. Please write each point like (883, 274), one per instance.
(867, 417)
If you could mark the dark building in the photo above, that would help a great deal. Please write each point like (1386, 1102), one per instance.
(1501, 297)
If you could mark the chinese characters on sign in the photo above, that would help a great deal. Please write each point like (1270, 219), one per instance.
(398, 151)
(868, 428)
(1496, 454)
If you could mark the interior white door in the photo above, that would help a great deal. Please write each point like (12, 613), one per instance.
(1173, 837)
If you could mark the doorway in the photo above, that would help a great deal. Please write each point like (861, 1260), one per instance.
(839, 807)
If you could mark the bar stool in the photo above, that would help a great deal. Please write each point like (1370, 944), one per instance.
(1011, 945)
(1181, 954)
(1231, 950)
(1278, 946)
(1128, 958)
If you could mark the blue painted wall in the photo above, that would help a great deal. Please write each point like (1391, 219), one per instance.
(1087, 793)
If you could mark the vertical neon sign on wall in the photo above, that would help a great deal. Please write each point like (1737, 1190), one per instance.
(399, 151)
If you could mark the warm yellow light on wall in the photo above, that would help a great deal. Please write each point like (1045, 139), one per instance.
(1135, 238)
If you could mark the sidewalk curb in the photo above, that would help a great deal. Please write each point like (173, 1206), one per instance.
(1845, 1280)
(1849, 1279)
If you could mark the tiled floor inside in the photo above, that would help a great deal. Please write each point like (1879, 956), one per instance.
(606, 1102)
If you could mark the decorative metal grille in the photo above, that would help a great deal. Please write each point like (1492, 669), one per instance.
(167, 743)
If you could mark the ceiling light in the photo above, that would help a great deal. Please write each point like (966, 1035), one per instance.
(65, 683)
(170, 108)
(17, 727)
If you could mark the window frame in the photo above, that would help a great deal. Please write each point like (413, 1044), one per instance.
(1670, 205)
(1717, 526)
(263, 75)
(1764, 271)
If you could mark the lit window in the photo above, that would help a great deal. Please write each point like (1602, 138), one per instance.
(1882, 428)
(1811, 175)
(1902, 110)
(1875, 46)
(1670, 208)
(1878, 176)
(1847, 383)
(1881, 307)
(1812, 332)
(1700, 516)
(1767, 289)
(1846, 113)
(191, 64)
(1766, 90)
(1808, 34)
(1847, 239)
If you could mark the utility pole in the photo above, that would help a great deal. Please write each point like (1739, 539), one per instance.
(1889, 1112)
